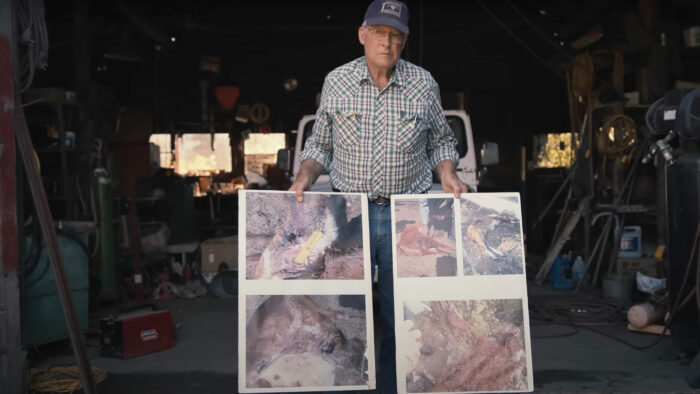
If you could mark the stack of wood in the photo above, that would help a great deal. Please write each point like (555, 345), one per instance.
(646, 318)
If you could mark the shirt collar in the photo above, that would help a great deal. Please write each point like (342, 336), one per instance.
(397, 77)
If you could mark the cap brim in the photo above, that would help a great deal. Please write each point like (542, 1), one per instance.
(387, 21)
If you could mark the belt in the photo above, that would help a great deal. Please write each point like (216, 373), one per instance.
(381, 201)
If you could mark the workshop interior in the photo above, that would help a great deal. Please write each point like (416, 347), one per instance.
(128, 130)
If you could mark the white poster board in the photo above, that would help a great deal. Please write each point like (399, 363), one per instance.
(460, 294)
(304, 293)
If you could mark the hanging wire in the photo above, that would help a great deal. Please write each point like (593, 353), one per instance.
(576, 311)
(33, 35)
(521, 42)
(584, 75)
(583, 312)
(538, 30)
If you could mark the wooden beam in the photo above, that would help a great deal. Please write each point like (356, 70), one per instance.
(618, 80)
(11, 359)
(647, 11)
(48, 231)
(561, 240)
(155, 32)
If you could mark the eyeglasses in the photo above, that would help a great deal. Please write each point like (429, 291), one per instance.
(381, 35)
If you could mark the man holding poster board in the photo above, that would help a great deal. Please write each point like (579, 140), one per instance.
(380, 130)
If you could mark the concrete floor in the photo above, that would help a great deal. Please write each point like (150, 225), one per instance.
(204, 357)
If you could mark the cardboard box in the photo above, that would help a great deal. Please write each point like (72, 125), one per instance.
(648, 266)
(218, 251)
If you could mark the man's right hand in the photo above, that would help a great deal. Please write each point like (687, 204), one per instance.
(299, 187)
(308, 172)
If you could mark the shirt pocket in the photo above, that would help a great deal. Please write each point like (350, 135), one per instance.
(347, 123)
(410, 127)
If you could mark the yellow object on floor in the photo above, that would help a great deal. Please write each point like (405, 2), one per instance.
(61, 379)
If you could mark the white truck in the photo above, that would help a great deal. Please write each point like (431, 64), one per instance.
(457, 119)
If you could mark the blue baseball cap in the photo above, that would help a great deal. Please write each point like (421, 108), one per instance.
(392, 13)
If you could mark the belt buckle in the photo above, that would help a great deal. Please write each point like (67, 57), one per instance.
(381, 201)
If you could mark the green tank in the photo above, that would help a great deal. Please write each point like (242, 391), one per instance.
(43, 311)
(107, 268)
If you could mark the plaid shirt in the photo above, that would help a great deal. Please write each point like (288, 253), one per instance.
(380, 142)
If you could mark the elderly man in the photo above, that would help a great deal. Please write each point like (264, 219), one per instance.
(380, 130)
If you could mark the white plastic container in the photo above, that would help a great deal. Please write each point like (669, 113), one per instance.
(631, 242)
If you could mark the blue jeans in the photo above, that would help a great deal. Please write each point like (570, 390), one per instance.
(380, 250)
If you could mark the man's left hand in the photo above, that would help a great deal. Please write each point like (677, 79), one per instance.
(448, 178)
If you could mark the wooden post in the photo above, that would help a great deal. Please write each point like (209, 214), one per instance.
(647, 11)
(618, 80)
(48, 231)
(561, 240)
(82, 68)
(11, 359)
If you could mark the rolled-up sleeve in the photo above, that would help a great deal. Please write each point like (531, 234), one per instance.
(441, 140)
(319, 146)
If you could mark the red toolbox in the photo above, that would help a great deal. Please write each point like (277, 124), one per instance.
(136, 333)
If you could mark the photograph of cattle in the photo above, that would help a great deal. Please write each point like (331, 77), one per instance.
(425, 237)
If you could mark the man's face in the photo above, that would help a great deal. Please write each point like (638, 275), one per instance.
(383, 45)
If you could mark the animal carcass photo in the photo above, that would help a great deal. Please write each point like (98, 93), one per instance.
(457, 346)
(491, 235)
(320, 238)
(305, 341)
(425, 241)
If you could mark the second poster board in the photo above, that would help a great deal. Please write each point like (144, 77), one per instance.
(460, 294)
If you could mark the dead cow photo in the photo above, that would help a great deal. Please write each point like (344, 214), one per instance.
(425, 237)
(491, 235)
(320, 238)
(306, 341)
(458, 346)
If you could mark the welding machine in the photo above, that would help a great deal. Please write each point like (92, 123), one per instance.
(136, 333)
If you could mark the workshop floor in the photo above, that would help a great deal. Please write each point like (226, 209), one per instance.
(204, 357)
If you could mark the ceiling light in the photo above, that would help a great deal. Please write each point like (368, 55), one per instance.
(172, 39)
(290, 84)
